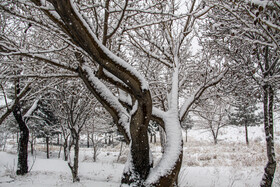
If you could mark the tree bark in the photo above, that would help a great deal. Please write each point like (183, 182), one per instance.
(48, 150)
(120, 153)
(171, 179)
(246, 134)
(95, 149)
(87, 139)
(22, 167)
(270, 167)
(58, 141)
(59, 152)
(139, 146)
(74, 168)
(65, 145)
(32, 144)
(214, 134)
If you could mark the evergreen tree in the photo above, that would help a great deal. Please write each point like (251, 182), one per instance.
(44, 123)
(187, 124)
(244, 114)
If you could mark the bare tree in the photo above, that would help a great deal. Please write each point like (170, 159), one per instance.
(75, 110)
(215, 113)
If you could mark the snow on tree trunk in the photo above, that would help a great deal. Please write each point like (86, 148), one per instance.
(138, 167)
(76, 161)
(22, 167)
(69, 19)
(75, 165)
(167, 170)
(270, 167)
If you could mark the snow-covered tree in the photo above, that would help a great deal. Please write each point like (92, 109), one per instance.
(85, 39)
(43, 123)
(214, 112)
(75, 107)
(247, 32)
(187, 124)
(244, 114)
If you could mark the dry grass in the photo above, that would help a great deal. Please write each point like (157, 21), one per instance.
(225, 154)
(196, 153)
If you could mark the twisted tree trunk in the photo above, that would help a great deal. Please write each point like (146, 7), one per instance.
(140, 164)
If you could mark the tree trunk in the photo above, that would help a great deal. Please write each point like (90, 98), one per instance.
(140, 164)
(106, 139)
(171, 180)
(110, 139)
(162, 138)
(22, 167)
(270, 167)
(246, 134)
(17, 138)
(215, 136)
(95, 149)
(58, 140)
(65, 145)
(74, 168)
(120, 153)
(186, 135)
(4, 141)
(87, 139)
(60, 147)
(31, 145)
(215, 140)
(48, 150)
(76, 161)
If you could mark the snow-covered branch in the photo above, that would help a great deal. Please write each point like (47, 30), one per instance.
(119, 20)
(40, 76)
(31, 110)
(13, 105)
(188, 103)
(154, 23)
(54, 62)
(148, 52)
(106, 97)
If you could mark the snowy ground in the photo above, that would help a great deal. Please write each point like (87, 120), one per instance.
(230, 163)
